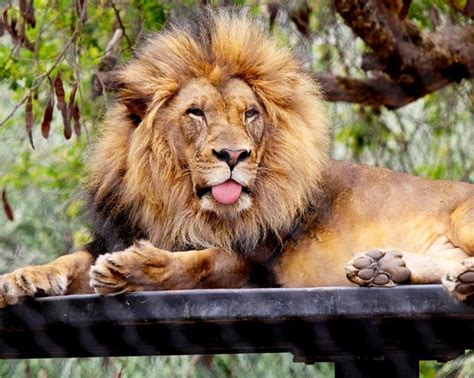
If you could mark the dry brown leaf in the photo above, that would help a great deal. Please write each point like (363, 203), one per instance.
(29, 119)
(10, 26)
(6, 207)
(62, 106)
(72, 97)
(67, 123)
(48, 116)
(30, 14)
(77, 122)
(59, 90)
(23, 39)
(67, 113)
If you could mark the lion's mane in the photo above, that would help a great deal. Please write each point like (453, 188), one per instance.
(137, 186)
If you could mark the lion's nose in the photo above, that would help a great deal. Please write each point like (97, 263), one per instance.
(231, 157)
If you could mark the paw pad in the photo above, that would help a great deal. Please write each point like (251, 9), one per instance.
(461, 282)
(378, 268)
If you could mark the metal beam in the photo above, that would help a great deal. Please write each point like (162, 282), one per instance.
(358, 328)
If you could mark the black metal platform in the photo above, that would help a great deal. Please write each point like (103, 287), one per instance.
(390, 328)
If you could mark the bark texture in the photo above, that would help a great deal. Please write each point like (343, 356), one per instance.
(405, 63)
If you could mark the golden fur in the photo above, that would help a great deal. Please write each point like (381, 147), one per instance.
(156, 187)
(220, 83)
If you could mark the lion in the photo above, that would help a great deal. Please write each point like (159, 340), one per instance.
(213, 171)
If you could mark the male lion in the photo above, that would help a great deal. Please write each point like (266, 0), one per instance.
(214, 162)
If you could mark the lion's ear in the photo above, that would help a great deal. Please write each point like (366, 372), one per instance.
(133, 96)
(136, 107)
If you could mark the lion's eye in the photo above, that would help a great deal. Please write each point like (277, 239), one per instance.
(195, 113)
(251, 114)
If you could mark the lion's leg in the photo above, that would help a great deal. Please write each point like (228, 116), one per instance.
(390, 267)
(462, 227)
(145, 267)
(459, 281)
(66, 275)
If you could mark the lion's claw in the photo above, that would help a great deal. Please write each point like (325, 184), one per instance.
(377, 268)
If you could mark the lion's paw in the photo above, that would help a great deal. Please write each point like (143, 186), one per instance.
(32, 281)
(377, 268)
(460, 283)
(139, 267)
(109, 275)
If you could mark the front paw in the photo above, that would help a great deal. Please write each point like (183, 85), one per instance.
(140, 267)
(108, 275)
(32, 281)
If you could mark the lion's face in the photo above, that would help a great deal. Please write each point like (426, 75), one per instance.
(218, 135)
(219, 139)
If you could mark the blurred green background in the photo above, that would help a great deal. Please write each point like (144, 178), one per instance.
(431, 137)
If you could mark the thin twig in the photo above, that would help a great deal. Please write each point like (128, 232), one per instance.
(15, 108)
(40, 32)
(119, 19)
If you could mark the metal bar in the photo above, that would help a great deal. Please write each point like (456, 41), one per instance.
(315, 324)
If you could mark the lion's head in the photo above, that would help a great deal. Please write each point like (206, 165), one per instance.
(219, 138)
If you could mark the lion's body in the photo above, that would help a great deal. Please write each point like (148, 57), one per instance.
(215, 160)
(370, 208)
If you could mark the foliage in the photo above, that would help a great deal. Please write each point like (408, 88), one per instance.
(431, 137)
(251, 366)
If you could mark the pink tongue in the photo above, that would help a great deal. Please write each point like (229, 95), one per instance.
(227, 193)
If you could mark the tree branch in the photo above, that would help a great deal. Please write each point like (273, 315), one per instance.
(119, 20)
(411, 63)
(406, 63)
(371, 92)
